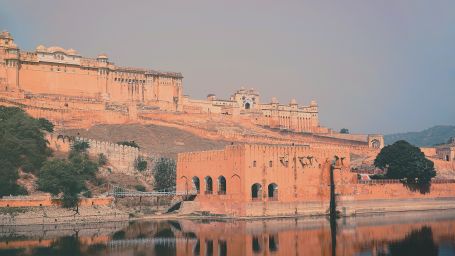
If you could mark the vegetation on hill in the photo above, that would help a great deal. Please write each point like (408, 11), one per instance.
(429, 137)
(140, 164)
(131, 143)
(402, 160)
(164, 174)
(22, 145)
(68, 176)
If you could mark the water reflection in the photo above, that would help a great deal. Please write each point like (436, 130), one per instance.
(383, 235)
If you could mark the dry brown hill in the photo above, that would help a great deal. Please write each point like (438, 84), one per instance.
(154, 139)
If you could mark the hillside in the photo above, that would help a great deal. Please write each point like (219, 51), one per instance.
(160, 140)
(429, 137)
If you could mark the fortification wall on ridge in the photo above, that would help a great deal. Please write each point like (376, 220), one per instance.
(121, 157)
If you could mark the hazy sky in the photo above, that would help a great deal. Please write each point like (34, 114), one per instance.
(373, 66)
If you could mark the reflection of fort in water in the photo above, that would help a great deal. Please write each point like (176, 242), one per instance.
(403, 234)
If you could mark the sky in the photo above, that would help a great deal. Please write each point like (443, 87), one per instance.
(372, 66)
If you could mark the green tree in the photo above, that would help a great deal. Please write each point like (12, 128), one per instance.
(80, 146)
(61, 176)
(46, 125)
(140, 164)
(164, 174)
(83, 166)
(22, 145)
(402, 160)
(9, 175)
(344, 131)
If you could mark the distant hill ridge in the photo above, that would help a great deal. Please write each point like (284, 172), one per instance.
(435, 135)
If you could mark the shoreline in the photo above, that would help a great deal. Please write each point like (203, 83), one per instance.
(123, 218)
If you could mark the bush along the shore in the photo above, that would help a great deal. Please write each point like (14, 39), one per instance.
(404, 161)
(67, 176)
(22, 146)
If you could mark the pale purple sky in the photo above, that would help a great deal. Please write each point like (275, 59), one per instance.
(373, 66)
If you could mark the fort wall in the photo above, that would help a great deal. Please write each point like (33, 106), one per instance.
(121, 158)
(46, 200)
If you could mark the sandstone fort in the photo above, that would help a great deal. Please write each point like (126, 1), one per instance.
(280, 157)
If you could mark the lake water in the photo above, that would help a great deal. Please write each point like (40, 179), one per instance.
(429, 234)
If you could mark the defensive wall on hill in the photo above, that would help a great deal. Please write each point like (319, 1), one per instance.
(121, 157)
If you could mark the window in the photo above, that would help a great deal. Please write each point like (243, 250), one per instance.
(270, 163)
(222, 248)
(254, 163)
(256, 191)
(208, 185)
(273, 243)
(256, 245)
(221, 185)
(209, 248)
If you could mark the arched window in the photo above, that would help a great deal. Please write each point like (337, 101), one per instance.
(273, 243)
(196, 184)
(256, 191)
(208, 185)
(273, 191)
(221, 185)
(255, 244)
(375, 143)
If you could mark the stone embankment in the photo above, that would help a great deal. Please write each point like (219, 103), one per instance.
(58, 215)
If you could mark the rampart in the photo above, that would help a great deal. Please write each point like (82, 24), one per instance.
(47, 200)
(121, 157)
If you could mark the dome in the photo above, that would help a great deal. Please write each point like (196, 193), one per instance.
(293, 102)
(102, 56)
(313, 103)
(53, 49)
(274, 100)
(41, 48)
(71, 52)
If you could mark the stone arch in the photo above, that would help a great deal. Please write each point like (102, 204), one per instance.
(256, 191)
(221, 185)
(375, 144)
(272, 191)
(60, 137)
(235, 184)
(196, 184)
(67, 138)
(208, 185)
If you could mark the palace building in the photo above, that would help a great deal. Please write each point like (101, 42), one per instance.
(272, 180)
(58, 71)
(63, 81)
(51, 71)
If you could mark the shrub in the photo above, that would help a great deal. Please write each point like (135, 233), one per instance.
(131, 143)
(102, 159)
(140, 164)
(140, 188)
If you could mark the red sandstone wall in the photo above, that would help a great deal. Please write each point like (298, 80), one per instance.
(35, 201)
(392, 191)
(58, 79)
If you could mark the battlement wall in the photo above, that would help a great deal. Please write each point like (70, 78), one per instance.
(121, 157)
